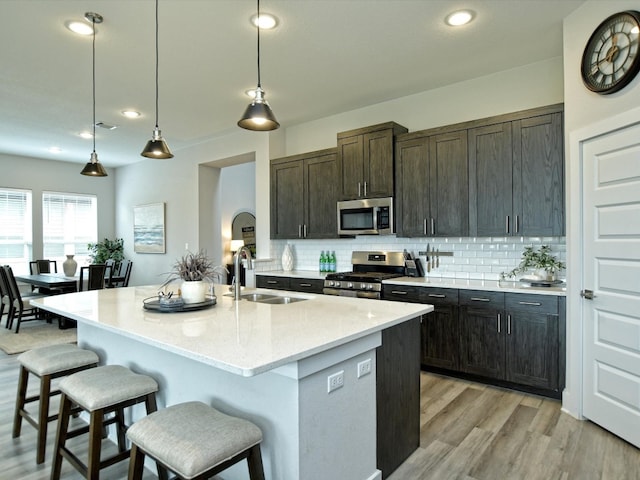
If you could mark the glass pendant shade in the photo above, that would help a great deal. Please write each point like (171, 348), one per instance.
(156, 147)
(94, 168)
(258, 115)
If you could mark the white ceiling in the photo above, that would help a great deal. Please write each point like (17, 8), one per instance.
(325, 57)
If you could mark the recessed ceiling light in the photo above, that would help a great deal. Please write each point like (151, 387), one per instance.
(86, 134)
(130, 113)
(55, 150)
(266, 21)
(460, 17)
(81, 28)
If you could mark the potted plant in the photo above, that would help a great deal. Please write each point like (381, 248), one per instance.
(193, 269)
(541, 264)
(100, 252)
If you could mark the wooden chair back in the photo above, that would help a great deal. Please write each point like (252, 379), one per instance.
(95, 275)
(43, 266)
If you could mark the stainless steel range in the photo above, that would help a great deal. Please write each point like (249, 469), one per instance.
(369, 270)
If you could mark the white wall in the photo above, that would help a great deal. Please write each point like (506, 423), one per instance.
(40, 175)
(234, 200)
(583, 108)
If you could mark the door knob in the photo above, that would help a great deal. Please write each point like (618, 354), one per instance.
(588, 294)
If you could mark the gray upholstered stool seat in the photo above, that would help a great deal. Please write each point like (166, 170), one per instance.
(46, 363)
(99, 391)
(195, 440)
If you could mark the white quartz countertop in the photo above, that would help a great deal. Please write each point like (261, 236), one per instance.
(244, 338)
(488, 285)
(441, 282)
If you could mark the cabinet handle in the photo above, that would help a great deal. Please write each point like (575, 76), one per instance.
(359, 189)
(508, 324)
(535, 304)
(433, 226)
(517, 223)
(304, 230)
(398, 292)
(480, 299)
(436, 295)
(272, 282)
(305, 285)
(498, 323)
(365, 189)
(299, 231)
(424, 226)
(506, 227)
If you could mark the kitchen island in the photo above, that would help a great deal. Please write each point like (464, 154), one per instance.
(267, 363)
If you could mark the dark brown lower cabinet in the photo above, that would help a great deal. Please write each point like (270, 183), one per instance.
(398, 395)
(511, 339)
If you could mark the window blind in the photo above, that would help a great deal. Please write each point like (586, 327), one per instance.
(16, 234)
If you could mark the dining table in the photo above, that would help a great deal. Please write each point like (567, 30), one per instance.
(52, 281)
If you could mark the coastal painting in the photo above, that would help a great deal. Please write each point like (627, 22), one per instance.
(148, 228)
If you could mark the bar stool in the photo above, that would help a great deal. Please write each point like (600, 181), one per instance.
(46, 363)
(99, 391)
(195, 441)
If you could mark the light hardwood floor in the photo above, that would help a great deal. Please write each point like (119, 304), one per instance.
(469, 432)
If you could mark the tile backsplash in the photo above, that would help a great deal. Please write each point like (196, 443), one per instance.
(478, 258)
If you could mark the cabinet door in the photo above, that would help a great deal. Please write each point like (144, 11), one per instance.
(271, 281)
(350, 167)
(306, 285)
(441, 337)
(538, 193)
(320, 196)
(490, 180)
(378, 164)
(532, 345)
(287, 201)
(412, 188)
(449, 182)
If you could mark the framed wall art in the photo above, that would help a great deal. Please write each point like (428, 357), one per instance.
(148, 228)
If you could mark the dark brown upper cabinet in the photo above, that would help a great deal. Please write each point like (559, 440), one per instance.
(365, 161)
(516, 174)
(432, 184)
(304, 195)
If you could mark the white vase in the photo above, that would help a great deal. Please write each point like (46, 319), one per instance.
(193, 292)
(287, 258)
(69, 266)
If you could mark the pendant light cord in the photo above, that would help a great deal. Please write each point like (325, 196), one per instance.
(93, 81)
(157, 55)
(258, 26)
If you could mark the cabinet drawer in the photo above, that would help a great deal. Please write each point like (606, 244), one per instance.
(266, 281)
(439, 296)
(401, 293)
(478, 298)
(531, 303)
(306, 285)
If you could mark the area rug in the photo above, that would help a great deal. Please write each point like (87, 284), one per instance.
(33, 335)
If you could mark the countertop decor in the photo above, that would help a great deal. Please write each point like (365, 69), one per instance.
(539, 264)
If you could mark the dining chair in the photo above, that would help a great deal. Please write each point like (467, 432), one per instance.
(20, 307)
(95, 275)
(120, 277)
(43, 266)
(110, 272)
(4, 295)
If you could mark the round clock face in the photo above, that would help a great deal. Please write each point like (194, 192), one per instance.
(611, 58)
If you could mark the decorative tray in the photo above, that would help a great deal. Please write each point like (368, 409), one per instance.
(541, 283)
(177, 305)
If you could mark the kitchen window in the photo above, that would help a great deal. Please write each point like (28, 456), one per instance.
(69, 224)
(16, 233)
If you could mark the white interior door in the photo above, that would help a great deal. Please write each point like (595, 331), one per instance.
(611, 248)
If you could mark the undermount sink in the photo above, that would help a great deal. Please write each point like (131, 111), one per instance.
(266, 298)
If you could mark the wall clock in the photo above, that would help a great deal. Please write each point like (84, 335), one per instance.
(611, 59)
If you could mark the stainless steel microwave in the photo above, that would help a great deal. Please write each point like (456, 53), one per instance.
(370, 216)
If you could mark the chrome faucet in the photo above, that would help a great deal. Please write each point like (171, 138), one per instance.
(236, 269)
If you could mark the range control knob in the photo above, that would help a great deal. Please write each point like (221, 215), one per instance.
(349, 285)
(370, 286)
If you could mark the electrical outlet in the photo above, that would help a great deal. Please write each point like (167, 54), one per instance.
(335, 381)
(364, 367)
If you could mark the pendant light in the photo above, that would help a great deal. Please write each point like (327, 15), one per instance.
(157, 147)
(258, 115)
(94, 168)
